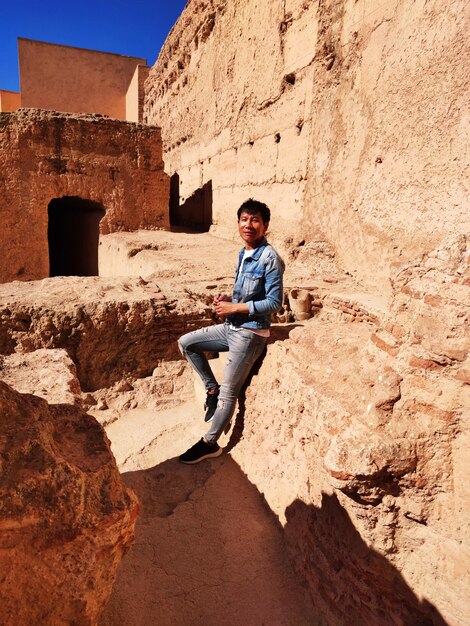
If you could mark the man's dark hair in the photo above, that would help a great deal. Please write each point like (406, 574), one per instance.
(254, 206)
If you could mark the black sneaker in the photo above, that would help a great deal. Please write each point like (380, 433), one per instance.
(210, 405)
(200, 451)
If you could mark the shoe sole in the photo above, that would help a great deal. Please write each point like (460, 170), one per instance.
(210, 455)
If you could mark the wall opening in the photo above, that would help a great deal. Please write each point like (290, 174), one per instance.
(195, 214)
(73, 235)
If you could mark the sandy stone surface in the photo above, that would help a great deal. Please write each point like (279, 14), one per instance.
(66, 517)
(170, 256)
(206, 552)
(48, 374)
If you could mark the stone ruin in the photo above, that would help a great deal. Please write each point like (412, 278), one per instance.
(67, 179)
(343, 496)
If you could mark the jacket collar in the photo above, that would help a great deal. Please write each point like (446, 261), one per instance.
(257, 251)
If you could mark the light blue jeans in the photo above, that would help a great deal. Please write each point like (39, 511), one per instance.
(243, 347)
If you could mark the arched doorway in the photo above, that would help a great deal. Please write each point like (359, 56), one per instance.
(73, 235)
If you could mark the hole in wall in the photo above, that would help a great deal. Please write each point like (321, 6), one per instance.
(73, 236)
(290, 78)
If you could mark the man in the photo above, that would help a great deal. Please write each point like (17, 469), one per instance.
(257, 294)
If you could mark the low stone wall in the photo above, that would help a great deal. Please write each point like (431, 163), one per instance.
(109, 327)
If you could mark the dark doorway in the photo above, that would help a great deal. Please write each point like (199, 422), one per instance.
(195, 213)
(73, 234)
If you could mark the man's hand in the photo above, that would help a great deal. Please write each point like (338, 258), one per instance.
(221, 297)
(224, 306)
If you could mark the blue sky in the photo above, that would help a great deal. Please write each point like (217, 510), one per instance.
(135, 28)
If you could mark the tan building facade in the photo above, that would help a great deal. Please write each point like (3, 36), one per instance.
(68, 178)
(135, 94)
(77, 80)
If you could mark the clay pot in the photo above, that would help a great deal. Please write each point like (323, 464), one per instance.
(299, 303)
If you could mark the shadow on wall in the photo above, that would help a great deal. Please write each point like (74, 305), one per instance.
(73, 236)
(350, 582)
(209, 551)
(195, 214)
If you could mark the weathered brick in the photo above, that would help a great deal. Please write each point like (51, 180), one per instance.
(433, 300)
(116, 164)
(382, 345)
(432, 410)
(427, 364)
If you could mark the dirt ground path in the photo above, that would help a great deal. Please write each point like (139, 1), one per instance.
(208, 551)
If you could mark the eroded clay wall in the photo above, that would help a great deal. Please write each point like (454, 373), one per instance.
(75, 80)
(46, 155)
(348, 118)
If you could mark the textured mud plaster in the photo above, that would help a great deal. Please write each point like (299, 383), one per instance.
(45, 156)
(348, 119)
(354, 430)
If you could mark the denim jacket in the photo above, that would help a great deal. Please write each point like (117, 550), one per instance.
(258, 283)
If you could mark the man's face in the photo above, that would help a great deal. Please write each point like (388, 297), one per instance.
(252, 228)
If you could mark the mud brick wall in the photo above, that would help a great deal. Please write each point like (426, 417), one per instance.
(46, 155)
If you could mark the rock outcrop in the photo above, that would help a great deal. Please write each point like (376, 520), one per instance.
(66, 517)
(49, 374)
(347, 118)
